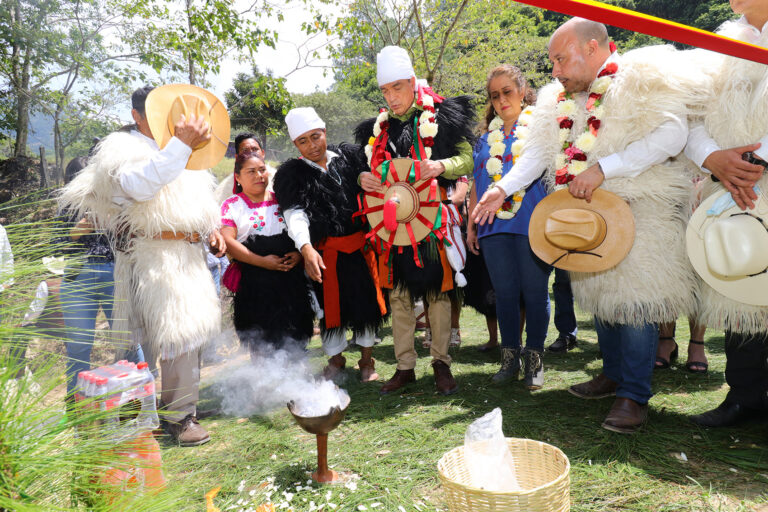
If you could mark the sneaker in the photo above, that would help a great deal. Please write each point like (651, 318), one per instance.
(510, 365)
(427, 338)
(534, 369)
(188, 432)
(455, 338)
(563, 343)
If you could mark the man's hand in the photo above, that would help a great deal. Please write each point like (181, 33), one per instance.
(193, 132)
(585, 183)
(472, 238)
(313, 263)
(370, 183)
(737, 176)
(489, 204)
(217, 243)
(431, 169)
(292, 259)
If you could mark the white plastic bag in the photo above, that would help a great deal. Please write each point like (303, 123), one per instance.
(487, 456)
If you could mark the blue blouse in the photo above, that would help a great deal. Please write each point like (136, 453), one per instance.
(533, 194)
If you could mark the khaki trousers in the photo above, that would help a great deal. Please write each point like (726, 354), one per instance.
(404, 327)
(181, 385)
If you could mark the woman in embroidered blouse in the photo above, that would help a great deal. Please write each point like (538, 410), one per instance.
(272, 298)
(524, 283)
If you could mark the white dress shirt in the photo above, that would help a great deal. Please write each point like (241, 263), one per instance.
(141, 183)
(296, 218)
(700, 144)
(664, 142)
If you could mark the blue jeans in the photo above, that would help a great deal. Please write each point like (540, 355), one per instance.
(628, 357)
(565, 318)
(518, 276)
(80, 301)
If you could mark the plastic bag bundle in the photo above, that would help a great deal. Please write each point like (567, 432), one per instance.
(487, 456)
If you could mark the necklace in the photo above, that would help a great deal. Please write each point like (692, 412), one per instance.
(572, 161)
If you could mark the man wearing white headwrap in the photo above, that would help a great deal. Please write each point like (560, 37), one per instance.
(438, 131)
(735, 125)
(318, 196)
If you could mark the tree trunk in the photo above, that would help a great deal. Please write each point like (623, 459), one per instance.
(190, 60)
(45, 181)
(22, 111)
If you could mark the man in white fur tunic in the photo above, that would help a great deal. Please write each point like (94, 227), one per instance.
(736, 122)
(626, 142)
(158, 214)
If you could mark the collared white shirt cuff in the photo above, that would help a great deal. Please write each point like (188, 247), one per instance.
(611, 165)
(762, 152)
(298, 227)
(700, 145)
(178, 149)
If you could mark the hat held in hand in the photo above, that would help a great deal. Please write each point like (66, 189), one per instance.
(728, 247)
(572, 234)
(166, 104)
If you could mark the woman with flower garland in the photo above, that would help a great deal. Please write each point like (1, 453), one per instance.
(271, 299)
(617, 122)
(518, 276)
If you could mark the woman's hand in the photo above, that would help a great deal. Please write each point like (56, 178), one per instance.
(489, 204)
(313, 263)
(274, 262)
(472, 238)
(292, 259)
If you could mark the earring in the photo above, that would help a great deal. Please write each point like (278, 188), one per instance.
(522, 104)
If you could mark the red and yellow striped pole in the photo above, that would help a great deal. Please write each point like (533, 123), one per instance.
(653, 26)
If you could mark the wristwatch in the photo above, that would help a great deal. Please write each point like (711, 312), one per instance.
(751, 158)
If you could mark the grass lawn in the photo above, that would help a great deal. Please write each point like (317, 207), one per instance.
(391, 444)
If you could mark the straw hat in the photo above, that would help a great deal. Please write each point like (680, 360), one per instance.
(166, 104)
(572, 234)
(405, 200)
(728, 247)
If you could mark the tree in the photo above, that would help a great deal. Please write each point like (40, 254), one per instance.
(259, 102)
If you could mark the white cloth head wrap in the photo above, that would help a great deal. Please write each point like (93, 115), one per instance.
(393, 63)
(301, 120)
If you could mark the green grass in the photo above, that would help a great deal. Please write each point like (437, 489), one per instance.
(393, 443)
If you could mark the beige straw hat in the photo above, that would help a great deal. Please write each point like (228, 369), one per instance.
(572, 234)
(728, 247)
(165, 106)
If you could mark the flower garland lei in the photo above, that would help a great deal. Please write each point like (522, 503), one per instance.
(572, 161)
(427, 127)
(495, 164)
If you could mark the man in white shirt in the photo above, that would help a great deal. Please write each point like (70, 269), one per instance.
(730, 142)
(158, 214)
(621, 119)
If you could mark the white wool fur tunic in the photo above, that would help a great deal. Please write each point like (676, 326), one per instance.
(736, 115)
(164, 293)
(655, 282)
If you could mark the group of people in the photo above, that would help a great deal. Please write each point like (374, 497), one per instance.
(640, 125)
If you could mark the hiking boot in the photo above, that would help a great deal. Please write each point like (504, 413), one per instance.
(446, 384)
(599, 387)
(455, 338)
(334, 367)
(188, 432)
(534, 369)
(398, 380)
(626, 416)
(563, 343)
(510, 365)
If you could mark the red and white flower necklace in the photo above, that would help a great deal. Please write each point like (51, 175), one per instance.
(497, 150)
(572, 161)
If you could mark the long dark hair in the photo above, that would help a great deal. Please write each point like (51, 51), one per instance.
(517, 77)
(240, 160)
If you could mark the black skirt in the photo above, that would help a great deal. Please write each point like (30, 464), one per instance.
(272, 306)
(479, 294)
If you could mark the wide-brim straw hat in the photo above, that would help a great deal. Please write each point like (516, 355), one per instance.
(729, 249)
(572, 234)
(410, 209)
(166, 104)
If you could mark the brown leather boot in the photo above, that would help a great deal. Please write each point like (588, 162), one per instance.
(367, 365)
(626, 416)
(188, 432)
(334, 367)
(599, 387)
(398, 380)
(446, 384)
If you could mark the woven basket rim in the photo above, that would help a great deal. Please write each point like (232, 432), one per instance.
(553, 483)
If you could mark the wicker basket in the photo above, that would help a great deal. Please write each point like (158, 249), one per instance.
(542, 472)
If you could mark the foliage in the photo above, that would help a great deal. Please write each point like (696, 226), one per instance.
(259, 102)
